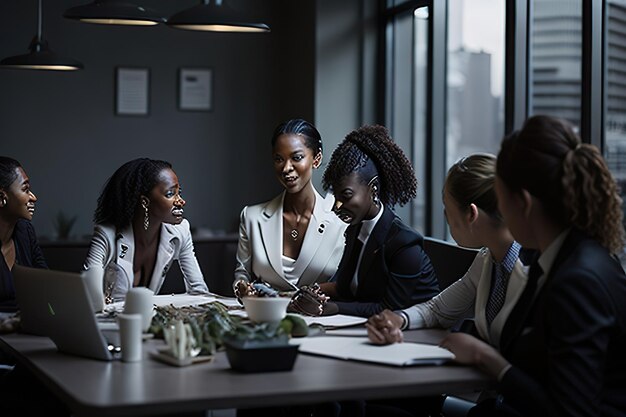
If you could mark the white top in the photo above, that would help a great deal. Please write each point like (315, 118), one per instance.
(367, 226)
(288, 266)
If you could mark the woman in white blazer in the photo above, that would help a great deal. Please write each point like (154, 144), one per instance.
(140, 231)
(496, 279)
(294, 239)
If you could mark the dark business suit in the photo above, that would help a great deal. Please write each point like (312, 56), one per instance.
(27, 253)
(394, 273)
(568, 345)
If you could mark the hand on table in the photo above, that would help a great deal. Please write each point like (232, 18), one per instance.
(384, 328)
(469, 350)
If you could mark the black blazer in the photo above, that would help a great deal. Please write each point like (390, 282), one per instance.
(394, 273)
(568, 346)
(27, 253)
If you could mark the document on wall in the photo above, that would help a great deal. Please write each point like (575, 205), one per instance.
(360, 349)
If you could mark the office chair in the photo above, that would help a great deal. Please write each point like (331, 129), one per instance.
(449, 260)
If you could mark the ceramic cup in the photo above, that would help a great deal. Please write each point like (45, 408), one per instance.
(139, 300)
(130, 337)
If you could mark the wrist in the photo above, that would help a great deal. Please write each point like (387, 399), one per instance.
(405, 319)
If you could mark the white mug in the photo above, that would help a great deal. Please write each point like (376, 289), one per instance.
(93, 282)
(130, 337)
(139, 300)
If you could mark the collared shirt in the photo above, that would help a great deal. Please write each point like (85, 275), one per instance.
(500, 274)
(548, 256)
(367, 226)
(546, 260)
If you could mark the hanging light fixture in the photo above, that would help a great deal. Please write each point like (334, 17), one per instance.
(40, 56)
(213, 17)
(114, 12)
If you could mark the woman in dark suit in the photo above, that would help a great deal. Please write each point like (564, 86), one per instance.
(17, 235)
(568, 331)
(384, 264)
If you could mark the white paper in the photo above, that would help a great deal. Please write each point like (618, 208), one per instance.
(360, 349)
(132, 91)
(336, 321)
(195, 89)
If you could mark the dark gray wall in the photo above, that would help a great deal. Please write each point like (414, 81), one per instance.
(63, 129)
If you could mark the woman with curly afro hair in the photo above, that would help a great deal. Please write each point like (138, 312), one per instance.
(384, 264)
(140, 231)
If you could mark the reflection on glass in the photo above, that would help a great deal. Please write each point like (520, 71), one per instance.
(556, 56)
(407, 63)
(615, 76)
(475, 105)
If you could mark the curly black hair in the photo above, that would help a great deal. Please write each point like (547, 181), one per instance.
(121, 194)
(398, 184)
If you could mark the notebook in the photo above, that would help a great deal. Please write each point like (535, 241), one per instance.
(56, 304)
(360, 349)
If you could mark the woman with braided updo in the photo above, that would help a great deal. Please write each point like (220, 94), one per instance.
(384, 264)
(140, 231)
(566, 356)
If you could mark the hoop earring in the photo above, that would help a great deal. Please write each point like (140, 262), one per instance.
(146, 218)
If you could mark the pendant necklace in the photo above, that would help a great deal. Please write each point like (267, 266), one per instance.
(294, 232)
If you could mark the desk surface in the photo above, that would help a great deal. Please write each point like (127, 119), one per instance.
(96, 388)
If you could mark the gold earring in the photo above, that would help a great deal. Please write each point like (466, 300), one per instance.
(146, 218)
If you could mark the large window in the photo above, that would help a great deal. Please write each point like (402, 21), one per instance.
(615, 100)
(555, 58)
(475, 102)
(407, 65)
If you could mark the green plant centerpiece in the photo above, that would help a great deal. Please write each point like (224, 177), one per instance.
(212, 326)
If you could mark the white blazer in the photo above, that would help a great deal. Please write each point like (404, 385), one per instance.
(114, 251)
(471, 292)
(260, 249)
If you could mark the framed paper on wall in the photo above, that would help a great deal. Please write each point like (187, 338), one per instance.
(132, 91)
(195, 89)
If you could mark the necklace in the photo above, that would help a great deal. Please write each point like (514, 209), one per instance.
(294, 232)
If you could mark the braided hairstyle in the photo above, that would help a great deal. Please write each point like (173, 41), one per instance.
(370, 151)
(7, 171)
(312, 138)
(471, 180)
(570, 178)
(122, 192)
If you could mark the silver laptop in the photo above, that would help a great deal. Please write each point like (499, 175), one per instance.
(56, 304)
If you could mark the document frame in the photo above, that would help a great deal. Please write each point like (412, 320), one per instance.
(132, 91)
(195, 89)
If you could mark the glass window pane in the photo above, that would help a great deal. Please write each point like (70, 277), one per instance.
(407, 63)
(615, 76)
(475, 104)
(556, 56)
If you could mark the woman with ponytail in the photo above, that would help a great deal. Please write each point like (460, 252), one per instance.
(568, 330)
(384, 264)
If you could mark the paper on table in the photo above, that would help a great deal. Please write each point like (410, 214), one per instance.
(336, 321)
(359, 349)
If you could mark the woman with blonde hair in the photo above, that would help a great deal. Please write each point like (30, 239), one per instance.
(494, 282)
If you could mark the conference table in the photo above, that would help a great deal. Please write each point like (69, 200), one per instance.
(99, 388)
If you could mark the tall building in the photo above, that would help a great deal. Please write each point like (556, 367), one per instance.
(556, 56)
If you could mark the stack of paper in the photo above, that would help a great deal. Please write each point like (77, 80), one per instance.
(360, 349)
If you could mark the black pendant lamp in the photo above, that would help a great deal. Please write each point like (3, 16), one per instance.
(115, 12)
(40, 56)
(213, 16)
